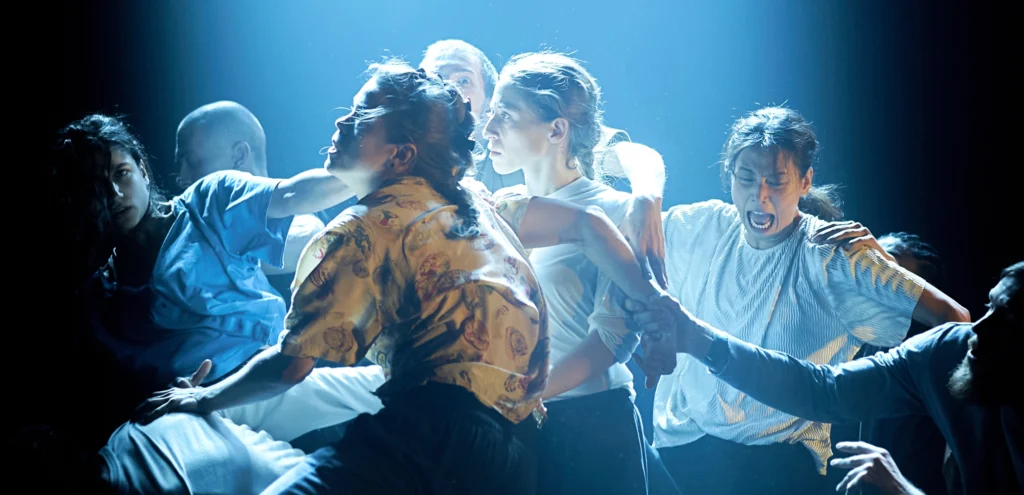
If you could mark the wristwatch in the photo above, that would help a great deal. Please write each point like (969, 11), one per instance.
(718, 355)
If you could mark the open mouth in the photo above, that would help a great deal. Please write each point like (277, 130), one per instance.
(760, 221)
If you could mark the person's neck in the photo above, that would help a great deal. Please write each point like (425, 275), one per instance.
(136, 251)
(152, 229)
(770, 241)
(549, 175)
(257, 170)
(371, 184)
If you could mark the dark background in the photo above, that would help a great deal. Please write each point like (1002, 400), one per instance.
(901, 94)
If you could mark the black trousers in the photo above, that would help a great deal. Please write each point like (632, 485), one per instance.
(712, 466)
(659, 481)
(593, 445)
(438, 439)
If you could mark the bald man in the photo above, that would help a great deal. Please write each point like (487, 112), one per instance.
(225, 135)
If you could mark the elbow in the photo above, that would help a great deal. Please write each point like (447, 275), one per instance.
(959, 314)
(952, 311)
(936, 308)
(291, 380)
(590, 221)
(296, 371)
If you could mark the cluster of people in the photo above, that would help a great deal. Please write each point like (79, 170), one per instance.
(454, 302)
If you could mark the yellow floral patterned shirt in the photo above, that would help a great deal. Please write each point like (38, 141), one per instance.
(384, 281)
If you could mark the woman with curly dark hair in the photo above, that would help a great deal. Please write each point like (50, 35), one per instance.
(170, 283)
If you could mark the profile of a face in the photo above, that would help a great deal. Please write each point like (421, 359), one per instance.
(362, 153)
(984, 375)
(516, 135)
(358, 146)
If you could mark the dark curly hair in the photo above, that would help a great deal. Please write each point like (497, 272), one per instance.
(80, 185)
(432, 114)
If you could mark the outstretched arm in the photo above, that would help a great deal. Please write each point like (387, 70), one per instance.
(307, 192)
(268, 374)
(862, 389)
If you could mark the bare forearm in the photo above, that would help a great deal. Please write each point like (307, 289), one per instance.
(604, 245)
(587, 359)
(267, 375)
(935, 308)
(308, 192)
(547, 222)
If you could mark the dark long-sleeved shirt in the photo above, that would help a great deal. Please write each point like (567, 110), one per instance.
(987, 442)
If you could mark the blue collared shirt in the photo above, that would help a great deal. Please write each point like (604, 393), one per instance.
(208, 297)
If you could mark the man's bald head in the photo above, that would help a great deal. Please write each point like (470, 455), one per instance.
(220, 136)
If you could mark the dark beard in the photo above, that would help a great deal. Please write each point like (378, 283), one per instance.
(961, 383)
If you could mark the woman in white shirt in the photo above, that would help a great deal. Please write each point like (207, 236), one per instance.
(546, 121)
(752, 268)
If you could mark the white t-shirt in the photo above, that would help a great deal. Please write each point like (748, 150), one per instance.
(815, 302)
(186, 453)
(301, 231)
(578, 295)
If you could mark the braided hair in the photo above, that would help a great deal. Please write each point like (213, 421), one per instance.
(557, 85)
(431, 113)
